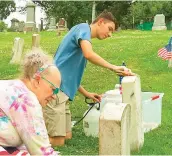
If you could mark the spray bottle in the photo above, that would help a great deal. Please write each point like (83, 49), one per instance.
(121, 77)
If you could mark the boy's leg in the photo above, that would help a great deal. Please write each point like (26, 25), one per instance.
(68, 122)
(55, 119)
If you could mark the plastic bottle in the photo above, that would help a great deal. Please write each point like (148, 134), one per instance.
(121, 77)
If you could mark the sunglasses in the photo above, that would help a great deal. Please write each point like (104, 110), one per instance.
(56, 90)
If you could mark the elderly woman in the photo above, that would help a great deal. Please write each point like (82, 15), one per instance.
(21, 102)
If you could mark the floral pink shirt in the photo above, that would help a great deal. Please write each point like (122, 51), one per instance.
(21, 119)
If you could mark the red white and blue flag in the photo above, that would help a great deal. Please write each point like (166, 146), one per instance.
(166, 52)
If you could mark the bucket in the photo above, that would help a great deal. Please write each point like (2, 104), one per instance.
(91, 121)
(151, 110)
(113, 96)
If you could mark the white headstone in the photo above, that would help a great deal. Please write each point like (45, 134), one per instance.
(114, 128)
(159, 22)
(17, 50)
(131, 93)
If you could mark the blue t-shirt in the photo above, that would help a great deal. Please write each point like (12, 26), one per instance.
(70, 60)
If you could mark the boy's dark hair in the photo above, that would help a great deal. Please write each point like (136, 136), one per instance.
(107, 16)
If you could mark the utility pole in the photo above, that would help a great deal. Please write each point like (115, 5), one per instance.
(93, 11)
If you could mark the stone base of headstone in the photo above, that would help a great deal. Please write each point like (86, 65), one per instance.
(30, 27)
(52, 28)
(170, 63)
(114, 129)
(159, 28)
(17, 50)
(131, 93)
(60, 30)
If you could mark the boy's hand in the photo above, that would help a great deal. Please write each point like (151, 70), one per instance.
(123, 71)
(94, 96)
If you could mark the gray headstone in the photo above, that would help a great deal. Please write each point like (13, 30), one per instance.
(159, 22)
(52, 25)
(30, 19)
(21, 26)
(15, 24)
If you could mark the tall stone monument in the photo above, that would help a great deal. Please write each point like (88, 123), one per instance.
(30, 19)
(159, 22)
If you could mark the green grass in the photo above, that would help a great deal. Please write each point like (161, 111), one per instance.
(139, 50)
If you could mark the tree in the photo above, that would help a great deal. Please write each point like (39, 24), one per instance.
(147, 10)
(118, 8)
(74, 12)
(79, 11)
(6, 7)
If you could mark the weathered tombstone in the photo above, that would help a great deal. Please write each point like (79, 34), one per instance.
(30, 19)
(21, 26)
(114, 129)
(61, 23)
(61, 26)
(131, 93)
(35, 41)
(17, 50)
(159, 22)
(52, 25)
(15, 24)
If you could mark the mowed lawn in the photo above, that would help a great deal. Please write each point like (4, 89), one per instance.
(139, 51)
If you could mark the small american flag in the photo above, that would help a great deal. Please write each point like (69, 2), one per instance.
(165, 52)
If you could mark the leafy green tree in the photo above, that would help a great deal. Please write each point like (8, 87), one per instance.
(118, 8)
(147, 10)
(80, 11)
(2, 26)
(6, 7)
(73, 11)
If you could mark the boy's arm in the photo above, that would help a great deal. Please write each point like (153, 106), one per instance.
(94, 58)
(93, 96)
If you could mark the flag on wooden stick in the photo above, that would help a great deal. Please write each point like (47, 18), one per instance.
(166, 52)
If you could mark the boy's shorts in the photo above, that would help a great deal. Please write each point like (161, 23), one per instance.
(57, 116)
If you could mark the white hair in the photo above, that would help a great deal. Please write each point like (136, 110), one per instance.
(33, 61)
